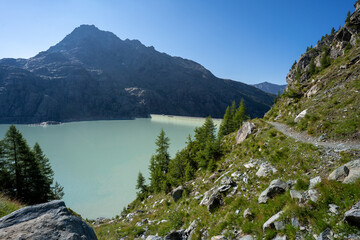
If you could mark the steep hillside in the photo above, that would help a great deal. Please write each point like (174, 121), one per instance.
(324, 85)
(270, 87)
(281, 177)
(92, 74)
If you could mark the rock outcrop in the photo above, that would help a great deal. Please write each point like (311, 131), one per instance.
(244, 131)
(45, 221)
(177, 193)
(347, 173)
(353, 215)
(276, 187)
(272, 222)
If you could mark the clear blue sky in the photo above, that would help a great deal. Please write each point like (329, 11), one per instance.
(244, 40)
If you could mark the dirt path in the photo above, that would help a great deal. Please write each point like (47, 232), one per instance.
(303, 137)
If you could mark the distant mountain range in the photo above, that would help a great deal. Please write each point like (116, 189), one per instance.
(270, 87)
(92, 74)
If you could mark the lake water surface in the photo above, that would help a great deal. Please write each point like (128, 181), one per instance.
(97, 162)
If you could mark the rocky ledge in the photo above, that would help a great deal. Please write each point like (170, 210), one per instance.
(45, 221)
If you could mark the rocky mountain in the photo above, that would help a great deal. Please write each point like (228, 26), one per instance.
(270, 87)
(92, 74)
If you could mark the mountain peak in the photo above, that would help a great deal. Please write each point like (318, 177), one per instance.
(86, 36)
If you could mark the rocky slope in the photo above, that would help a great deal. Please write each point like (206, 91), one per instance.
(44, 221)
(92, 74)
(270, 87)
(270, 185)
(322, 96)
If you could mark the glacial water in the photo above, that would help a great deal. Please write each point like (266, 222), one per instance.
(97, 162)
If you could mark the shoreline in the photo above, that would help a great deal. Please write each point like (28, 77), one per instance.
(150, 116)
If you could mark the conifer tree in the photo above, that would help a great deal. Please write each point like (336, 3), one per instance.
(348, 17)
(57, 191)
(240, 115)
(205, 132)
(333, 30)
(15, 154)
(312, 66)
(140, 183)
(226, 123)
(177, 168)
(46, 172)
(26, 173)
(159, 162)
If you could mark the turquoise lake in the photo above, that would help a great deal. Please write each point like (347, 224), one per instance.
(97, 162)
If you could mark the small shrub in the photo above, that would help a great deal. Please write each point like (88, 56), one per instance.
(302, 184)
(177, 219)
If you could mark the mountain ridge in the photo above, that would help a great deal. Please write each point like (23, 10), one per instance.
(270, 87)
(92, 74)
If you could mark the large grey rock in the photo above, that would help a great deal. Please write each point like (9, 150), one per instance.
(265, 170)
(177, 193)
(276, 187)
(247, 237)
(295, 222)
(270, 222)
(244, 131)
(228, 181)
(312, 194)
(219, 237)
(327, 234)
(334, 209)
(314, 181)
(353, 215)
(190, 230)
(295, 195)
(348, 173)
(215, 201)
(300, 116)
(207, 195)
(247, 213)
(45, 221)
(175, 235)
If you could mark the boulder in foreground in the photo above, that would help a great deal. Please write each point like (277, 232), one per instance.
(45, 221)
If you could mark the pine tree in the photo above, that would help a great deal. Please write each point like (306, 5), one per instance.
(204, 133)
(240, 115)
(348, 17)
(27, 173)
(189, 172)
(159, 162)
(140, 183)
(226, 124)
(277, 96)
(15, 153)
(333, 30)
(177, 168)
(46, 172)
(325, 59)
(312, 66)
(141, 186)
(57, 191)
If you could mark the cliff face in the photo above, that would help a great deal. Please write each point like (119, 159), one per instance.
(92, 74)
(334, 45)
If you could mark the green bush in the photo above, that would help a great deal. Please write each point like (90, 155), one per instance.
(302, 184)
